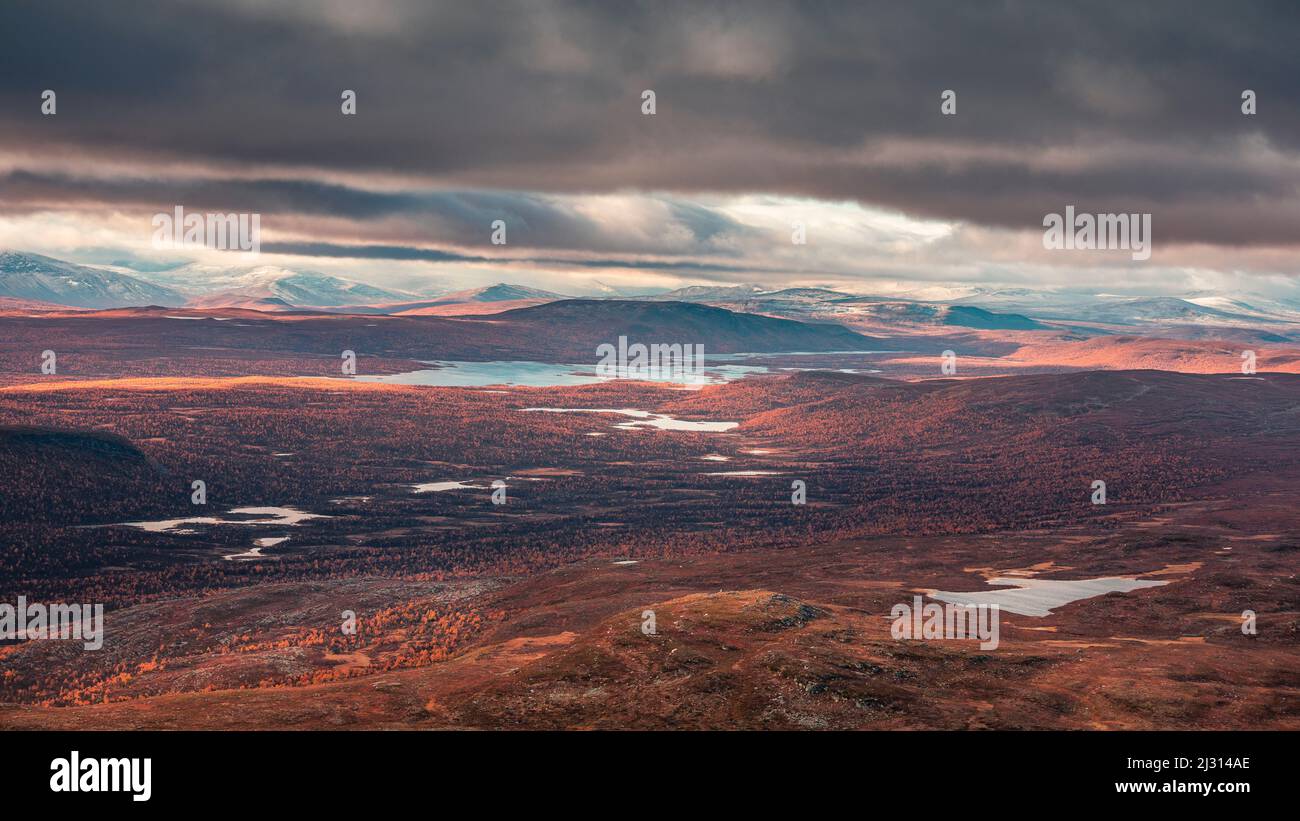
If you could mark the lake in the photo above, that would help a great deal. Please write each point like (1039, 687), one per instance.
(661, 421)
(277, 516)
(544, 375)
(1038, 597)
(452, 374)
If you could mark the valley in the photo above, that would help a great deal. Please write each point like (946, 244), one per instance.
(529, 613)
(475, 529)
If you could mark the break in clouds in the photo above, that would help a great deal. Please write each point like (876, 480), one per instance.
(766, 115)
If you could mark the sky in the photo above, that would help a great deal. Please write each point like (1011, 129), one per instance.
(766, 115)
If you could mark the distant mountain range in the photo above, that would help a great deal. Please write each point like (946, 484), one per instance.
(1007, 309)
(36, 278)
(31, 281)
(270, 286)
(825, 305)
(1131, 310)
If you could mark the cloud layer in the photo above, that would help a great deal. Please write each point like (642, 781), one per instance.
(530, 112)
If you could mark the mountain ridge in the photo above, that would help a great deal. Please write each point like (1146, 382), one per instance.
(38, 278)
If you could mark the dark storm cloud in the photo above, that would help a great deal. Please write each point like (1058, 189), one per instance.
(404, 253)
(453, 217)
(1105, 105)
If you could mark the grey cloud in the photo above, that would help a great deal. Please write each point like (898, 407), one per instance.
(410, 254)
(462, 218)
(787, 98)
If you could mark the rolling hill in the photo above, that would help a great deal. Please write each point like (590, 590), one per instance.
(58, 475)
(487, 300)
(1129, 352)
(229, 341)
(587, 323)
